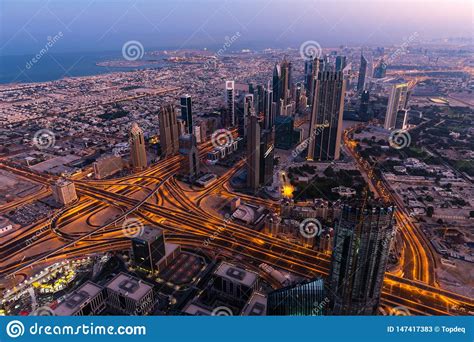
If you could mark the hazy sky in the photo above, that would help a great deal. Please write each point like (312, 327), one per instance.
(98, 25)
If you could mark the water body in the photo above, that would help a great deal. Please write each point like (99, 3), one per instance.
(50, 67)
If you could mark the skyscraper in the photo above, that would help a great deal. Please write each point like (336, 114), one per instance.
(247, 112)
(285, 81)
(326, 116)
(277, 87)
(148, 248)
(230, 98)
(260, 99)
(169, 130)
(269, 115)
(360, 255)
(396, 101)
(380, 70)
(137, 147)
(362, 73)
(253, 154)
(187, 113)
(312, 68)
(267, 151)
(64, 191)
(364, 105)
(340, 63)
(190, 164)
(304, 299)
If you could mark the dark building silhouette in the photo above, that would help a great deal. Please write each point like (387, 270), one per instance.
(360, 254)
(190, 164)
(148, 248)
(304, 299)
(187, 113)
(364, 105)
(267, 152)
(325, 128)
(253, 154)
(340, 63)
(362, 73)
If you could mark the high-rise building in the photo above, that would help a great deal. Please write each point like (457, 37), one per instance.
(246, 113)
(64, 191)
(148, 248)
(107, 165)
(190, 164)
(253, 154)
(169, 130)
(362, 73)
(277, 87)
(380, 70)
(340, 63)
(361, 251)
(187, 113)
(230, 101)
(312, 68)
(364, 105)
(401, 122)
(267, 151)
(269, 114)
(396, 101)
(285, 82)
(304, 299)
(137, 147)
(326, 116)
(285, 134)
(260, 99)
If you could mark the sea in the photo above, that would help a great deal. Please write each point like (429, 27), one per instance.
(50, 67)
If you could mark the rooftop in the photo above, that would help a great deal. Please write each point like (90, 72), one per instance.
(236, 274)
(74, 300)
(129, 286)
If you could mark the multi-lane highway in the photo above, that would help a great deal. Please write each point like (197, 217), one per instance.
(155, 196)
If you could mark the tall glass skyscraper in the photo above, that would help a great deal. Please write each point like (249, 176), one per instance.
(304, 299)
(362, 73)
(360, 255)
(325, 128)
(187, 113)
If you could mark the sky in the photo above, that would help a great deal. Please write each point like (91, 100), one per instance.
(105, 25)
